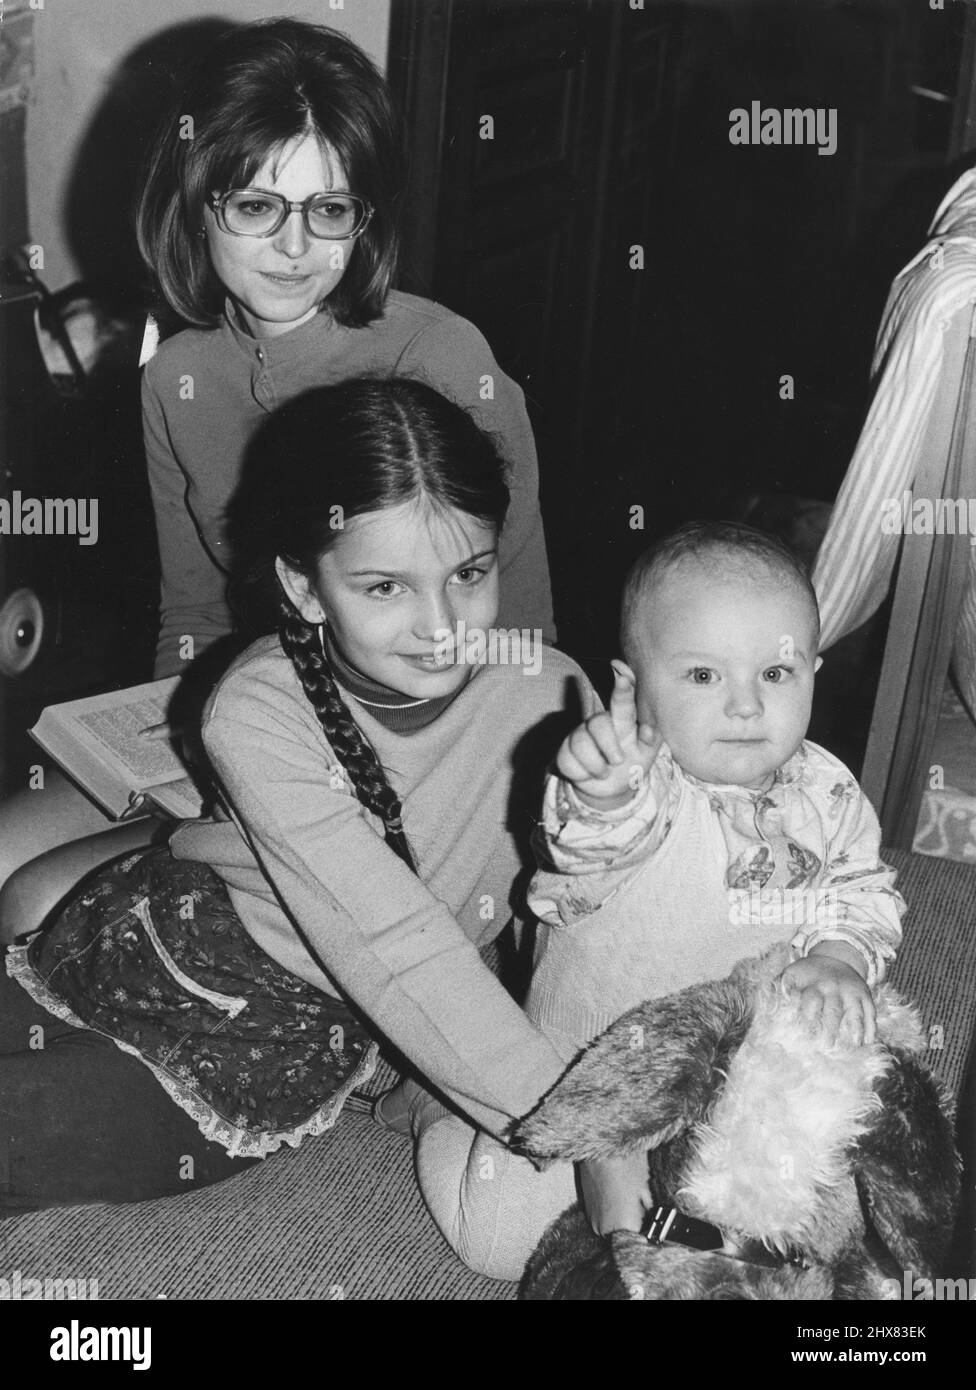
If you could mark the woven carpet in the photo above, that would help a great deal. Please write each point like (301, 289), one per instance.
(341, 1217)
(936, 967)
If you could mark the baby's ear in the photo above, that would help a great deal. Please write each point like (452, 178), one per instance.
(647, 1078)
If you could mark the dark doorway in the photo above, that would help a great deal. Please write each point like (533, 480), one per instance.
(660, 388)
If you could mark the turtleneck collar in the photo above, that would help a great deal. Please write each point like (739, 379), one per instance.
(401, 714)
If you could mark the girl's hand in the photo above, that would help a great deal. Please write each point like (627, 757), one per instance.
(184, 742)
(615, 1192)
(607, 759)
(157, 733)
(834, 998)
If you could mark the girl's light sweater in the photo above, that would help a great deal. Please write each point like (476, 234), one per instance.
(318, 888)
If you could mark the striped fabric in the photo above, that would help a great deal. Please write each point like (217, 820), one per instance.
(854, 565)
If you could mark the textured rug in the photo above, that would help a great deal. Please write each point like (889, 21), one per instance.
(339, 1218)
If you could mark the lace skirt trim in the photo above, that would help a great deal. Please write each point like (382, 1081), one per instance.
(239, 1142)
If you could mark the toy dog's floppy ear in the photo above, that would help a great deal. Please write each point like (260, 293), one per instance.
(906, 1168)
(647, 1078)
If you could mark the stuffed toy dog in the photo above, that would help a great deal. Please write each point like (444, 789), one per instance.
(784, 1167)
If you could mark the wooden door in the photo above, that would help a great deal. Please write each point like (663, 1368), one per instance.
(659, 388)
(518, 149)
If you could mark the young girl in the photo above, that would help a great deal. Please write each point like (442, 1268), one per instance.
(269, 217)
(219, 996)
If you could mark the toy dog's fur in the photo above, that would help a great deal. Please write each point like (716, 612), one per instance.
(753, 1123)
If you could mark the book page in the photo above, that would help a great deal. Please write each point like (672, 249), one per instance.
(119, 731)
(99, 741)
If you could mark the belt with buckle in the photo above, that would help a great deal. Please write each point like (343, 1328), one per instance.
(669, 1226)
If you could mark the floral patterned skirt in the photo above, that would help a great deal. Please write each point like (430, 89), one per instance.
(152, 954)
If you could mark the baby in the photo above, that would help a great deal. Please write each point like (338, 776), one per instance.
(691, 824)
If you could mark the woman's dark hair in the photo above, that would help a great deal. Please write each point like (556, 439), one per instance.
(703, 540)
(328, 456)
(261, 86)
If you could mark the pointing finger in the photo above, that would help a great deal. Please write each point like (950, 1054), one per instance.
(623, 704)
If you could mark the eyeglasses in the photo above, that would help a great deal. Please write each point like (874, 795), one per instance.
(332, 216)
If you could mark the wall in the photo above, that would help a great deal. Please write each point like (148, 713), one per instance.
(80, 48)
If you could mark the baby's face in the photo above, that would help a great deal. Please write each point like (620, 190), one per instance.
(725, 669)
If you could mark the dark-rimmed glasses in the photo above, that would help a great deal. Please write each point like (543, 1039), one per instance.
(333, 216)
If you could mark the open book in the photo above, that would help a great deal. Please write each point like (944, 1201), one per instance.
(99, 743)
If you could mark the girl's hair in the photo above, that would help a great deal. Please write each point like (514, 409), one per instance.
(261, 86)
(328, 456)
(728, 542)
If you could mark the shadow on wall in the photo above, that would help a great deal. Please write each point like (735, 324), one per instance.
(104, 184)
(70, 395)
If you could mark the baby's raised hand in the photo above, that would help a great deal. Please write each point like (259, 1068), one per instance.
(833, 998)
(607, 758)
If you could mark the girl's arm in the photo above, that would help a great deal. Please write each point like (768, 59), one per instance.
(193, 601)
(386, 941)
(454, 358)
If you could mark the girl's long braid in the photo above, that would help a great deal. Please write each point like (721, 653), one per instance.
(301, 646)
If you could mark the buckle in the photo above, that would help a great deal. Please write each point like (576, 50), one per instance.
(669, 1226)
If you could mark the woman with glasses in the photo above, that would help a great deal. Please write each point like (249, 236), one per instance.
(269, 219)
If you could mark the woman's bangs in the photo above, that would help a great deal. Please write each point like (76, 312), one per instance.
(334, 168)
(236, 164)
(239, 167)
